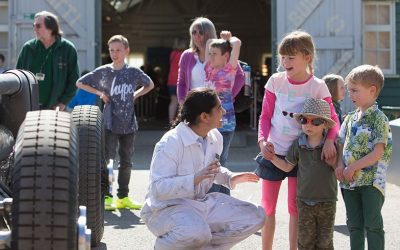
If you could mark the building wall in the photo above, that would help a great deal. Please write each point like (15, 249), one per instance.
(390, 95)
(336, 27)
(77, 19)
(333, 27)
(4, 31)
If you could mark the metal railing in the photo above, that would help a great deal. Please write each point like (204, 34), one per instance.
(145, 106)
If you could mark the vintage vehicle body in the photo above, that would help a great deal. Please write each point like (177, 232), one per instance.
(50, 170)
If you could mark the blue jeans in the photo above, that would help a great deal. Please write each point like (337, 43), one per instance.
(227, 136)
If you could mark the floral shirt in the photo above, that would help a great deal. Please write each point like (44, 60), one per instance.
(222, 81)
(359, 134)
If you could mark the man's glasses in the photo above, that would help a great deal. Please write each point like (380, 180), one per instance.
(195, 32)
(285, 113)
(37, 25)
(314, 121)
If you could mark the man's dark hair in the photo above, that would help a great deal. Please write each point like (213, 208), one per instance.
(51, 22)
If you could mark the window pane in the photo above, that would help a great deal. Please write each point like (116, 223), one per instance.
(384, 59)
(384, 40)
(370, 14)
(370, 57)
(384, 14)
(378, 34)
(370, 40)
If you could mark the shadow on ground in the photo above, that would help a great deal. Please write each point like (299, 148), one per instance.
(342, 229)
(123, 219)
(100, 246)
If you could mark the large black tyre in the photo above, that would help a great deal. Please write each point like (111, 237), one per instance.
(88, 120)
(45, 183)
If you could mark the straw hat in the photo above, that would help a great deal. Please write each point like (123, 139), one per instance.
(316, 108)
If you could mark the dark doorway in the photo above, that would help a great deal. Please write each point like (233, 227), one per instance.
(152, 25)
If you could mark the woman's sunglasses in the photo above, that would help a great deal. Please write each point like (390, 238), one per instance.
(37, 25)
(285, 113)
(194, 32)
(314, 121)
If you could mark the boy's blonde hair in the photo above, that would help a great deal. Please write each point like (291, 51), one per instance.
(298, 41)
(332, 81)
(367, 75)
(119, 38)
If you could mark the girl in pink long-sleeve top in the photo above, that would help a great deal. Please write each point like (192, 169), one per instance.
(285, 94)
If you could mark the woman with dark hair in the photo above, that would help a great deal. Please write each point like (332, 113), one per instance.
(53, 60)
(178, 210)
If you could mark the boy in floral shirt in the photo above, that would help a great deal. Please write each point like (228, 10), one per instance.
(365, 143)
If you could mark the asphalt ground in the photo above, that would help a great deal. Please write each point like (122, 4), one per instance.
(125, 230)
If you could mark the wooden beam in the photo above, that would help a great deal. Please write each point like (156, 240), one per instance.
(262, 6)
(179, 7)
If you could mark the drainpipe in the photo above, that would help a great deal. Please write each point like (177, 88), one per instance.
(273, 36)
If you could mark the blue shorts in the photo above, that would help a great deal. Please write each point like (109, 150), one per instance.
(171, 90)
(268, 171)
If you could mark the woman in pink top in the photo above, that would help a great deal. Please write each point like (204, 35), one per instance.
(192, 73)
(174, 57)
(285, 94)
(191, 66)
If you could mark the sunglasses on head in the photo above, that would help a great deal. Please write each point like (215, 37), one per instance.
(37, 25)
(194, 32)
(314, 121)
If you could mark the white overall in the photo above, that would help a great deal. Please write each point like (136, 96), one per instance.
(182, 215)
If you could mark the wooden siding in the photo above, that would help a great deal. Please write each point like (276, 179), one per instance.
(336, 30)
(336, 27)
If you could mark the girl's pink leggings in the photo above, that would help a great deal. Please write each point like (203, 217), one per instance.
(269, 197)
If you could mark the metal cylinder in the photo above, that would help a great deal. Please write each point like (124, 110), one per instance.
(247, 80)
(110, 175)
(19, 94)
(9, 84)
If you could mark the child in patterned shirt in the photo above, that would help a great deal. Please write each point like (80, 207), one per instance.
(221, 66)
(365, 147)
(116, 84)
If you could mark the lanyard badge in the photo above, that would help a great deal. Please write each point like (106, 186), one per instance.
(40, 76)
